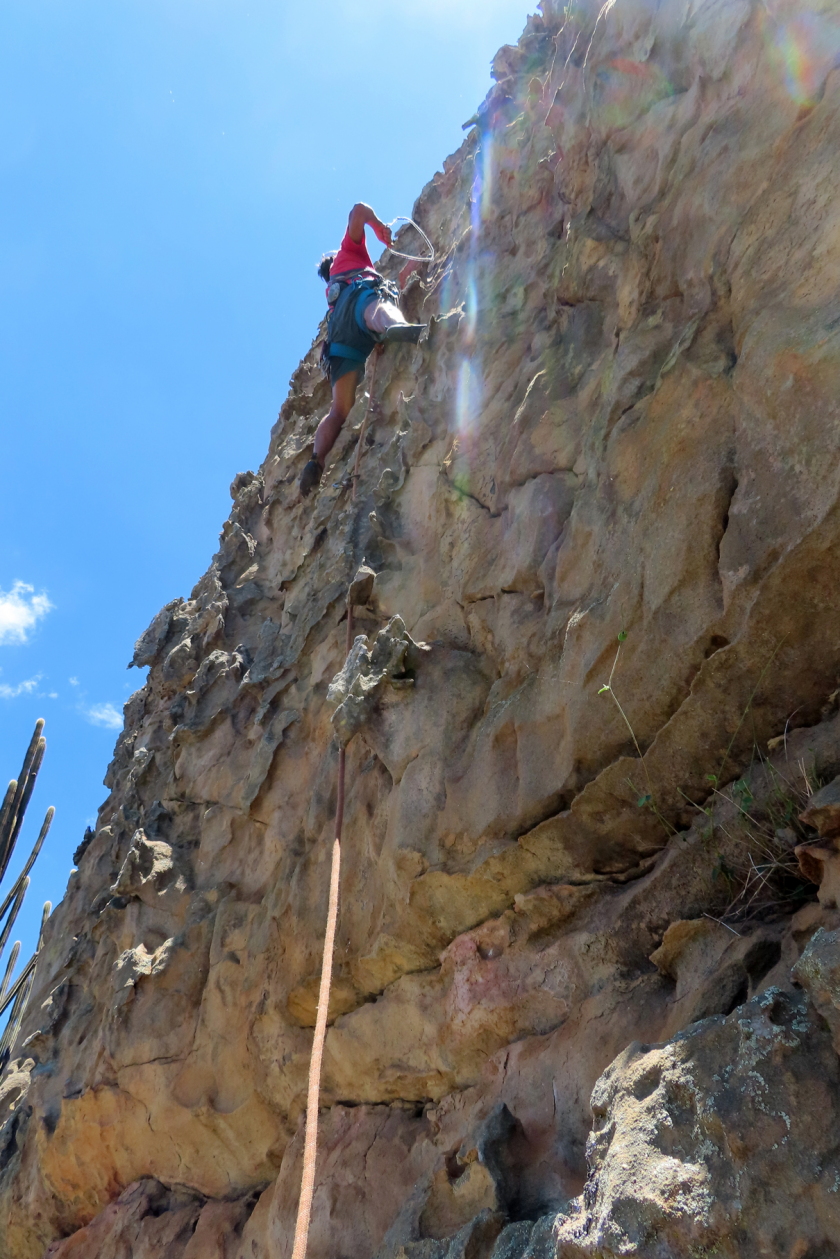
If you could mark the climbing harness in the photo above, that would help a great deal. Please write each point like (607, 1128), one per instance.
(310, 1145)
(401, 218)
(348, 296)
(348, 336)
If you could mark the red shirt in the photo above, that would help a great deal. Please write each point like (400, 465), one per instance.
(352, 256)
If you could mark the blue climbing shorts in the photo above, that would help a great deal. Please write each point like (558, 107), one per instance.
(341, 366)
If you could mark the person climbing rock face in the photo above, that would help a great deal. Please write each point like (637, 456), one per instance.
(364, 313)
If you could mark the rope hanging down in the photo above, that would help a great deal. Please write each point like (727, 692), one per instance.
(412, 257)
(310, 1146)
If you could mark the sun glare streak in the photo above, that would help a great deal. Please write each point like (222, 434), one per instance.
(472, 308)
(487, 173)
(468, 397)
(475, 204)
(800, 80)
(805, 50)
(469, 389)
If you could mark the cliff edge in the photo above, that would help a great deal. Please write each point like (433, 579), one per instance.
(587, 972)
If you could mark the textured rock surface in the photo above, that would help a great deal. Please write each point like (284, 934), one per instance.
(624, 423)
(724, 1141)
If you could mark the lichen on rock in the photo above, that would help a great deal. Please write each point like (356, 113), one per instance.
(705, 1145)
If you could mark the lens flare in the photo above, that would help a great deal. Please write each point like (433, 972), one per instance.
(471, 325)
(475, 201)
(481, 196)
(625, 90)
(792, 44)
(468, 397)
(446, 291)
(487, 173)
(469, 390)
(805, 49)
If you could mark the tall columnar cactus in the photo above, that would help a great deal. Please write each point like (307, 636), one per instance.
(10, 969)
(23, 788)
(22, 990)
(12, 813)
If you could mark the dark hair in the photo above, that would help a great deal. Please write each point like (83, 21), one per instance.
(324, 266)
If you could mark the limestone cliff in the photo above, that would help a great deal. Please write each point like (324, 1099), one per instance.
(613, 462)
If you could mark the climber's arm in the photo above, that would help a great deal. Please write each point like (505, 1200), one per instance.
(362, 216)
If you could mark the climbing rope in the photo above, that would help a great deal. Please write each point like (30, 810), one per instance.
(413, 257)
(310, 1145)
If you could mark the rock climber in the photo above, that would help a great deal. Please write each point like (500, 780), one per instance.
(363, 314)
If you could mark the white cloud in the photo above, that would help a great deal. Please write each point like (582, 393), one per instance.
(22, 688)
(73, 681)
(105, 715)
(52, 695)
(20, 611)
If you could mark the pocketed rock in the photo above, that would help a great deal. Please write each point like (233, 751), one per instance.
(604, 493)
(149, 1220)
(355, 690)
(722, 1142)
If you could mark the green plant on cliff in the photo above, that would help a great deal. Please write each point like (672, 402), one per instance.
(759, 872)
(646, 799)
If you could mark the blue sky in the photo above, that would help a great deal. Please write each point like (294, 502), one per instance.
(170, 173)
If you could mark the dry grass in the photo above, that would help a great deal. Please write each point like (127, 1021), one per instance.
(756, 823)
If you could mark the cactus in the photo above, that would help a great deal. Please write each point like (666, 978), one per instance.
(9, 969)
(16, 990)
(12, 813)
(7, 930)
(8, 803)
(20, 993)
(25, 786)
(33, 856)
(22, 989)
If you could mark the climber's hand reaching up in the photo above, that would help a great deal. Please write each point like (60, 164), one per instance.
(383, 232)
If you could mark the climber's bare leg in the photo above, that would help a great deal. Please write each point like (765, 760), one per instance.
(343, 397)
(326, 434)
(385, 318)
(382, 314)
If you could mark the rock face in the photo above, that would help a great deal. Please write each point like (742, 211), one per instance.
(598, 689)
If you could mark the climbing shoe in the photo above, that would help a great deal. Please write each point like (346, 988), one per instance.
(310, 477)
(399, 332)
